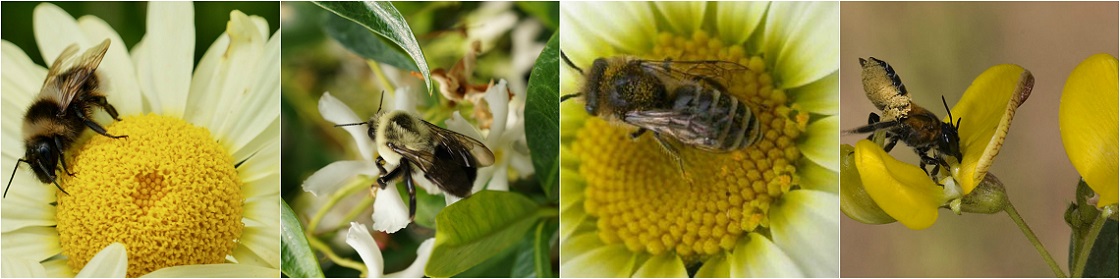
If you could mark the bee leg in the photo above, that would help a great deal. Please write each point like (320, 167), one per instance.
(393, 175)
(872, 119)
(411, 191)
(380, 162)
(638, 133)
(97, 127)
(100, 101)
(53, 178)
(668, 147)
(890, 144)
(62, 157)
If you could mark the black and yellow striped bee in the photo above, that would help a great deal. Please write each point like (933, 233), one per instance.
(686, 101)
(62, 111)
(905, 121)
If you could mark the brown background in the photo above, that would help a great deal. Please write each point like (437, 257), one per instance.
(937, 49)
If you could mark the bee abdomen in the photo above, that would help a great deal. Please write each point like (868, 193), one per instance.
(720, 121)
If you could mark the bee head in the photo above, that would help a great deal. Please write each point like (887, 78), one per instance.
(43, 158)
(950, 142)
(627, 86)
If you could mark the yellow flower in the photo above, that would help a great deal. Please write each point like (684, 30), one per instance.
(190, 192)
(768, 210)
(904, 192)
(1087, 118)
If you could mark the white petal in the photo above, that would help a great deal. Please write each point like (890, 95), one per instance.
(822, 143)
(580, 47)
(37, 243)
(605, 261)
(170, 41)
(19, 267)
(497, 98)
(664, 265)
(578, 245)
(336, 112)
(262, 140)
(207, 81)
(255, 111)
(265, 164)
(116, 70)
(404, 99)
(22, 79)
(57, 268)
(328, 179)
(111, 262)
(390, 214)
(683, 17)
(628, 26)
(821, 96)
(805, 41)
(756, 256)
(416, 269)
(816, 177)
(737, 20)
(261, 234)
(55, 30)
(715, 267)
(806, 225)
(359, 238)
(215, 271)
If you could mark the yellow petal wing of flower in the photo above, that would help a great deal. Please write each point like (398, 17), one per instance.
(986, 110)
(854, 200)
(1087, 117)
(902, 190)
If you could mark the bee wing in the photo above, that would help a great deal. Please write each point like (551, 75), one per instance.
(453, 164)
(83, 68)
(717, 73)
(681, 125)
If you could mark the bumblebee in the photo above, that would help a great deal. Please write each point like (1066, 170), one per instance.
(905, 121)
(683, 101)
(447, 159)
(62, 111)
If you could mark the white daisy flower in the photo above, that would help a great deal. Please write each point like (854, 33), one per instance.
(191, 191)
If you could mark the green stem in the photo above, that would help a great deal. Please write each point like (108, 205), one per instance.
(385, 83)
(353, 214)
(1087, 244)
(326, 249)
(1010, 209)
(334, 199)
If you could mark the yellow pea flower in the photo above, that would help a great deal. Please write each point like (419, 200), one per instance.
(1087, 117)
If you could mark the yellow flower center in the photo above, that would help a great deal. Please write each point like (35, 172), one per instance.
(641, 198)
(169, 192)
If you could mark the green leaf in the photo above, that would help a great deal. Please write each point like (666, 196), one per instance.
(1103, 261)
(384, 21)
(477, 228)
(542, 116)
(360, 41)
(534, 255)
(548, 12)
(296, 257)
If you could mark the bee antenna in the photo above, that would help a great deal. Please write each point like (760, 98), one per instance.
(351, 124)
(379, 103)
(946, 104)
(13, 177)
(569, 96)
(569, 62)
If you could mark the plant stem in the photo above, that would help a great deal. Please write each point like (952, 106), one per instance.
(326, 249)
(385, 83)
(1087, 242)
(334, 199)
(353, 214)
(1010, 209)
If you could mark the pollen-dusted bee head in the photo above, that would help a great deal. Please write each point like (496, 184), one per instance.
(950, 141)
(627, 86)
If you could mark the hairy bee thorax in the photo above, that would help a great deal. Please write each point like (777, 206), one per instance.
(399, 127)
(885, 89)
(627, 85)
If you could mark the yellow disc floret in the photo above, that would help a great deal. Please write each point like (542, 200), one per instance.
(643, 201)
(169, 192)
